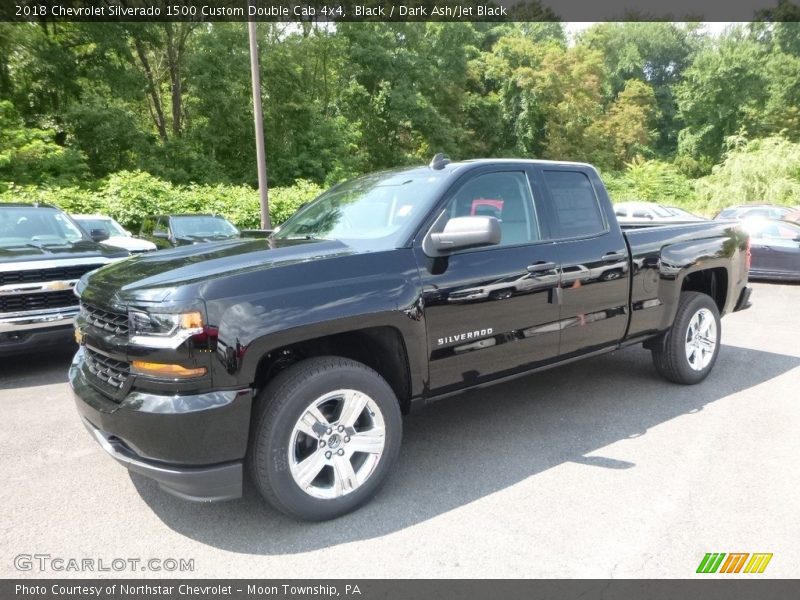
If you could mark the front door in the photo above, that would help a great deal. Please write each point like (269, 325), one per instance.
(492, 311)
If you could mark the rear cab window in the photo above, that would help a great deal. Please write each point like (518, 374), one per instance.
(576, 207)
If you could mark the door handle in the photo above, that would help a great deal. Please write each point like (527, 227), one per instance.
(610, 257)
(541, 266)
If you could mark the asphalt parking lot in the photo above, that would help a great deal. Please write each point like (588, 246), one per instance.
(596, 469)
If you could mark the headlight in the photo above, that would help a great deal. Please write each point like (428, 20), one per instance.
(163, 330)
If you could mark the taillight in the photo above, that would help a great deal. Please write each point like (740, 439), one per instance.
(749, 255)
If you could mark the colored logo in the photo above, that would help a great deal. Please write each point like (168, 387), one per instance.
(735, 562)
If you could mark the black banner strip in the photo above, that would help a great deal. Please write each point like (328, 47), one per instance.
(392, 10)
(716, 588)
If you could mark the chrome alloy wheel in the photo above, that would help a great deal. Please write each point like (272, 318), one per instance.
(701, 339)
(336, 444)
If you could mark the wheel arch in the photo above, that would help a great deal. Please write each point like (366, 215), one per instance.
(380, 347)
(711, 281)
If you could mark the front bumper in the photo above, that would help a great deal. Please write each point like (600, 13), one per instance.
(34, 330)
(193, 446)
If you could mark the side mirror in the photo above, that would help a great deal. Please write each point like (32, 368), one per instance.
(161, 234)
(98, 235)
(464, 232)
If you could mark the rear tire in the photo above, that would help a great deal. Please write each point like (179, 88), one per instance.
(689, 350)
(325, 438)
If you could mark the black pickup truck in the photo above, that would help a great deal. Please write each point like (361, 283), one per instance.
(295, 356)
(43, 253)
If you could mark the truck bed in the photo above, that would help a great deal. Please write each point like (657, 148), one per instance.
(659, 253)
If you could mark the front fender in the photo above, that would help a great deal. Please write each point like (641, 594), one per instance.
(370, 291)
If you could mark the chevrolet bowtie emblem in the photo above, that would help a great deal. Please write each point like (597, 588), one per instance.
(58, 286)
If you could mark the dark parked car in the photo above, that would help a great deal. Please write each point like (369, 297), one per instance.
(43, 253)
(296, 356)
(745, 211)
(167, 231)
(775, 249)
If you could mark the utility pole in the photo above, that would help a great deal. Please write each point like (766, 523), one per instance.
(258, 117)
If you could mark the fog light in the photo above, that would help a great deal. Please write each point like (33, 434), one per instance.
(165, 370)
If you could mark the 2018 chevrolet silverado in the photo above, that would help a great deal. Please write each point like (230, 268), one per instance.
(294, 357)
(43, 253)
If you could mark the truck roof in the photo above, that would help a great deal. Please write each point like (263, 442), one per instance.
(441, 164)
(532, 161)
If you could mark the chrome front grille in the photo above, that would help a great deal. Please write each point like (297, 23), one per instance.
(103, 318)
(42, 301)
(111, 372)
(65, 273)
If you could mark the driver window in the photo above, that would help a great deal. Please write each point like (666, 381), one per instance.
(505, 196)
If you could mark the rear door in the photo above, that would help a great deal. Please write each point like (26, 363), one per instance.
(595, 272)
(492, 311)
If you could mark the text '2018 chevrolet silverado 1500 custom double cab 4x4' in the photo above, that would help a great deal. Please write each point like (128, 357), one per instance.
(295, 356)
(43, 253)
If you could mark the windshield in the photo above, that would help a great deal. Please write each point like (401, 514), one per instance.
(36, 226)
(375, 212)
(109, 226)
(202, 226)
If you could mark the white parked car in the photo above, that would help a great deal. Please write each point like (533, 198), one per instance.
(107, 231)
(652, 211)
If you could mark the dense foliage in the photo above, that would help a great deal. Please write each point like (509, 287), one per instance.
(130, 118)
(130, 196)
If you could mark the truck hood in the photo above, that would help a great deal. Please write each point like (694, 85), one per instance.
(69, 250)
(156, 276)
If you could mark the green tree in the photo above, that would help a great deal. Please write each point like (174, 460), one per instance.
(628, 126)
(765, 170)
(725, 83)
(397, 92)
(655, 53)
(29, 155)
(653, 181)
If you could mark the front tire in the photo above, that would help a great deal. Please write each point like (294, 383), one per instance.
(689, 350)
(325, 438)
